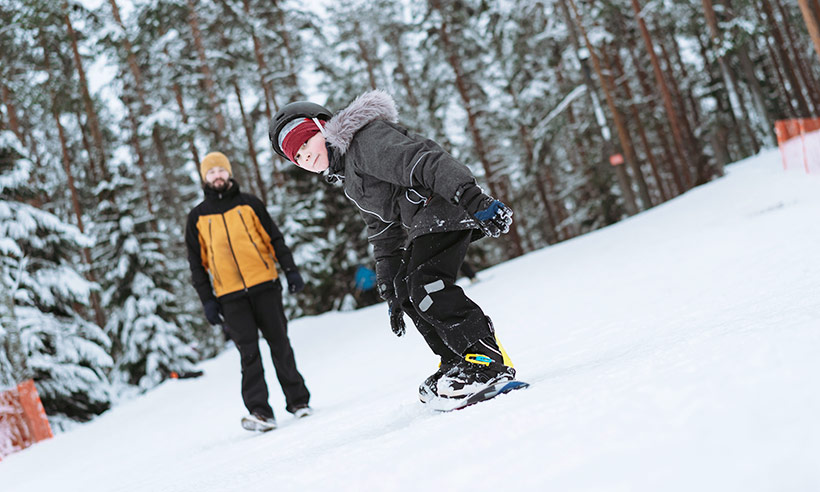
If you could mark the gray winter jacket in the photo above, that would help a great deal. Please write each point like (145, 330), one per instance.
(403, 184)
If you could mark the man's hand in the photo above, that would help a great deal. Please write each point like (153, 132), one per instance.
(295, 282)
(396, 314)
(213, 312)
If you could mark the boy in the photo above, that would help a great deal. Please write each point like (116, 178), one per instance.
(422, 209)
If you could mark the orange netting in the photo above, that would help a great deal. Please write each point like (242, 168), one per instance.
(22, 418)
(799, 142)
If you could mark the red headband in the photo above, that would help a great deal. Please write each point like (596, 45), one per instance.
(296, 137)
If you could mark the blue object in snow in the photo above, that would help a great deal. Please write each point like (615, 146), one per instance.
(365, 278)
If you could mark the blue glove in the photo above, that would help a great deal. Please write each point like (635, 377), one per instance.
(494, 218)
(213, 311)
(295, 282)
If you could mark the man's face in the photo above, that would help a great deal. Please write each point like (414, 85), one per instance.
(217, 178)
(312, 155)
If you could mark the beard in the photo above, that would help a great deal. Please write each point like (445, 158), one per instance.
(219, 185)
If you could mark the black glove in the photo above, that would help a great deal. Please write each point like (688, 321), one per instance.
(213, 311)
(295, 282)
(494, 218)
(396, 316)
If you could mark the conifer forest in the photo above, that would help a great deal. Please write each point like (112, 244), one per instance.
(576, 113)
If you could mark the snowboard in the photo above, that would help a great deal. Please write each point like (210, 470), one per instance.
(449, 404)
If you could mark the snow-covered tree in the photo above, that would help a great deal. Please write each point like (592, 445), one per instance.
(152, 333)
(43, 327)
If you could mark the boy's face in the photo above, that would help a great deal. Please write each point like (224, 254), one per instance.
(312, 155)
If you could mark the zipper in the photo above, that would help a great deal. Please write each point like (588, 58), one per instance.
(251, 238)
(230, 246)
(213, 256)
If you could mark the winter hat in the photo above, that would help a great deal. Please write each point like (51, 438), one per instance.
(296, 133)
(214, 159)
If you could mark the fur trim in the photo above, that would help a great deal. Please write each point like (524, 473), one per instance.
(370, 106)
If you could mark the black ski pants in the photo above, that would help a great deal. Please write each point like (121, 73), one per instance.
(449, 321)
(262, 310)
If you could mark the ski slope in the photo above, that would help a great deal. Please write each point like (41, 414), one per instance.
(674, 351)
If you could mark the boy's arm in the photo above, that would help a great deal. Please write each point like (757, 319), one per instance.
(387, 240)
(410, 161)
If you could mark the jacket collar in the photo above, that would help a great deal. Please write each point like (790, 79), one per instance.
(212, 194)
(370, 106)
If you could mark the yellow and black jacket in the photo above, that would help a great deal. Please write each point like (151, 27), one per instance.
(232, 237)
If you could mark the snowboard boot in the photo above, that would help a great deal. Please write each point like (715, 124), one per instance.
(258, 422)
(482, 366)
(428, 388)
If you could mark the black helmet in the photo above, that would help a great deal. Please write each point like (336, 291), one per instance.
(300, 109)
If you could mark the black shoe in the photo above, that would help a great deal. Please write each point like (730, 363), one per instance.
(472, 374)
(258, 422)
(427, 389)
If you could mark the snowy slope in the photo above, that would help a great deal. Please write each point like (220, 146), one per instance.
(676, 350)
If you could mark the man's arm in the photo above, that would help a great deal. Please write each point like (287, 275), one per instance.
(275, 238)
(199, 276)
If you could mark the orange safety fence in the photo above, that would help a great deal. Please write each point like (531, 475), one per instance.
(799, 143)
(22, 418)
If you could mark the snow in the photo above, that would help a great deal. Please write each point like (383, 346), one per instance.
(802, 152)
(676, 350)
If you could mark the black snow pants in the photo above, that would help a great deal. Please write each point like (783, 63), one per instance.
(426, 286)
(245, 316)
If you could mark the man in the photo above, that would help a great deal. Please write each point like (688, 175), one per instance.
(232, 237)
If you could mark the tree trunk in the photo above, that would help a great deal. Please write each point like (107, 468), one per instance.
(782, 92)
(636, 117)
(14, 123)
(88, 149)
(805, 72)
(129, 51)
(766, 126)
(184, 115)
(627, 142)
(703, 170)
(207, 77)
(495, 184)
(260, 63)
(145, 109)
(620, 126)
(401, 69)
(364, 52)
(674, 162)
(146, 189)
(89, 105)
(672, 114)
(251, 147)
(728, 78)
(789, 70)
(606, 134)
(812, 23)
(99, 315)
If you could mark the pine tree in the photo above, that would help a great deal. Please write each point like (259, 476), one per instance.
(43, 325)
(152, 331)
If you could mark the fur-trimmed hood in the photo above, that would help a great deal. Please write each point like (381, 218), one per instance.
(370, 106)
